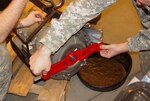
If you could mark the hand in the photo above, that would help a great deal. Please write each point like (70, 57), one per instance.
(109, 51)
(33, 17)
(40, 61)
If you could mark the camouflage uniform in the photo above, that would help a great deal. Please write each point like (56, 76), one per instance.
(5, 71)
(72, 20)
(141, 42)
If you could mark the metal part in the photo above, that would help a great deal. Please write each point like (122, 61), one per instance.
(36, 79)
(77, 42)
(67, 61)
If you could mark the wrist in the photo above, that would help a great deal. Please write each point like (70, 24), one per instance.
(44, 50)
(124, 47)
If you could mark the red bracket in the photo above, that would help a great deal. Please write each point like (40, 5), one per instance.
(71, 58)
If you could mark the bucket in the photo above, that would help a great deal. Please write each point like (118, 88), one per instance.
(102, 74)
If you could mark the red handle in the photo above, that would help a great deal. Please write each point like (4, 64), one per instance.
(71, 58)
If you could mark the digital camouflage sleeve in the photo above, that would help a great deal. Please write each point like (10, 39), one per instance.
(5, 71)
(141, 41)
(72, 20)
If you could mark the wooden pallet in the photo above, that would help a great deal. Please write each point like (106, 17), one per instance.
(22, 83)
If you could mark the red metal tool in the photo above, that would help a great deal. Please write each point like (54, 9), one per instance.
(71, 58)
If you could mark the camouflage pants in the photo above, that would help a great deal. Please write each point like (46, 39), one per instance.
(5, 71)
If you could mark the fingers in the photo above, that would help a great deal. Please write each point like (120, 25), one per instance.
(46, 70)
(40, 71)
(34, 71)
(106, 51)
(105, 47)
(34, 64)
(40, 63)
(38, 15)
(33, 17)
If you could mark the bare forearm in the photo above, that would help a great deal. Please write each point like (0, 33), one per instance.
(10, 16)
(123, 47)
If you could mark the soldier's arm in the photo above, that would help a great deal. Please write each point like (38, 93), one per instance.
(140, 42)
(72, 20)
(10, 16)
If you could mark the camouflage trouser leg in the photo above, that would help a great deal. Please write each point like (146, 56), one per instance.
(145, 61)
(5, 71)
(4, 88)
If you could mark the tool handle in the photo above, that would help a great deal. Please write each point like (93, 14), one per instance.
(71, 58)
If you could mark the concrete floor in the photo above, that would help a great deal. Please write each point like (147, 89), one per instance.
(118, 22)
